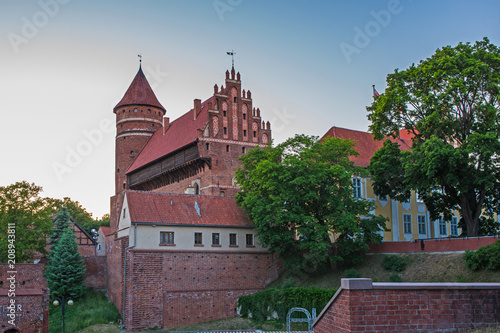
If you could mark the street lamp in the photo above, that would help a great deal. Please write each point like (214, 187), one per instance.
(58, 301)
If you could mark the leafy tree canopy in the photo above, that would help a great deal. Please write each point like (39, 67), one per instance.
(450, 104)
(299, 196)
(21, 205)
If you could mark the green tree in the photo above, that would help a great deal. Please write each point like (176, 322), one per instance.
(21, 205)
(61, 223)
(299, 196)
(65, 272)
(450, 104)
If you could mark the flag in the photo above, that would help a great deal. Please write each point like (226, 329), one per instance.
(375, 93)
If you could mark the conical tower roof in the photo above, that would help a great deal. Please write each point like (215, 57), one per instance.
(139, 93)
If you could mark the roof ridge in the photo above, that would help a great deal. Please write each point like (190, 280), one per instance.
(179, 194)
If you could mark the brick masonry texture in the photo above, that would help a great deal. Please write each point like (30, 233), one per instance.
(32, 298)
(433, 245)
(169, 289)
(411, 308)
(96, 272)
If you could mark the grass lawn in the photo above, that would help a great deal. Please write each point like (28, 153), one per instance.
(93, 308)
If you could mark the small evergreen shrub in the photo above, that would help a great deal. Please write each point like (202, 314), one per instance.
(351, 273)
(395, 278)
(394, 263)
(485, 257)
(269, 303)
(288, 283)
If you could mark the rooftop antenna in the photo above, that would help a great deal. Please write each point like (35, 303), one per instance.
(232, 53)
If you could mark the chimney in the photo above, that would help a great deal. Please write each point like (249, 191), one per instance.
(166, 124)
(197, 107)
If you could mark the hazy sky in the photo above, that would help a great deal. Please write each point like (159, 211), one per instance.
(309, 64)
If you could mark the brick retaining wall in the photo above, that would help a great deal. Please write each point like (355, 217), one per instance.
(433, 245)
(362, 306)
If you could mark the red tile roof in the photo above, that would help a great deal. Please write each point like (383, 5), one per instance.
(105, 230)
(166, 208)
(366, 145)
(181, 132)
(139, 93)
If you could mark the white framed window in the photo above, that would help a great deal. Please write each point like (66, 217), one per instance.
(454, 226)
(357, 185)
(198, 238)
(421, 221)
(442, 226)
(249, 240)
(407, 223)
(232, 240)
(215, 239)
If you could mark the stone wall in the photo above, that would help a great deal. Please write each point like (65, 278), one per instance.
(96, 272)
(362, 306)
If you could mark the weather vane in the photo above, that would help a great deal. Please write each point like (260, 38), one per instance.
(140, 57)
(232, 53)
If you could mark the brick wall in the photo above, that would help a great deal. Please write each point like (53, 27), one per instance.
(169, 288)
(115, 250)
(362, 306)
(433, 245)
(31, 298)
(96, 272)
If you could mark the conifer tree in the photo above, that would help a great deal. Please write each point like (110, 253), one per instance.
(65, 271)
(60, 224)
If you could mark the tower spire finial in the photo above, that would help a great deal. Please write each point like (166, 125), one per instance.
(232, 53)
(140, 59)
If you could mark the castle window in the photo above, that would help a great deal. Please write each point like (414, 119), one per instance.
(249, 239)
(357, 186)
(227, 148)
(124, 209)
(225, 130)
(244, 116)
(244, 132)
(254, 134)
(207, 146)
(407, 223)
(243, 150)
(198, 238)
(224, 113)
(149, 110)
(167, 238)
(421, 221)
(232, 240)
(135, 110)
(215, 239)
(222, 193)
(442, 226)
(454, 226)
(235, 99)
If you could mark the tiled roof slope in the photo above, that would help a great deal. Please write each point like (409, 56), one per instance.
(366, 145)
(166, 208)
(105, 230)
(139, 93)
(180, 133)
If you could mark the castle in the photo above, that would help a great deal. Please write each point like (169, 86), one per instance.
(179, 249)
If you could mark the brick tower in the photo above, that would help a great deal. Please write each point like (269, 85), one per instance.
(138, 115)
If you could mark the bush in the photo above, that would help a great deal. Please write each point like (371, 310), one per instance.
(395, 263)
(485, 257)
(351, 273)
(264, 304)
(395, 278)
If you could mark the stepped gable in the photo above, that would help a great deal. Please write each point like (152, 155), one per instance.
(167, 208)
(366, 145)
(139, 93)
(181, 132)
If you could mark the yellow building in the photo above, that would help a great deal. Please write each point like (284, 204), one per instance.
(407, 220)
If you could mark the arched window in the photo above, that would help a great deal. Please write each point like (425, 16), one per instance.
(196, 189)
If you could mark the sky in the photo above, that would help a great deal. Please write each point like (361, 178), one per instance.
(310, 65)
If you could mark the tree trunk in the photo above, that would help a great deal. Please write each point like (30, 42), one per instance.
(471, 217)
